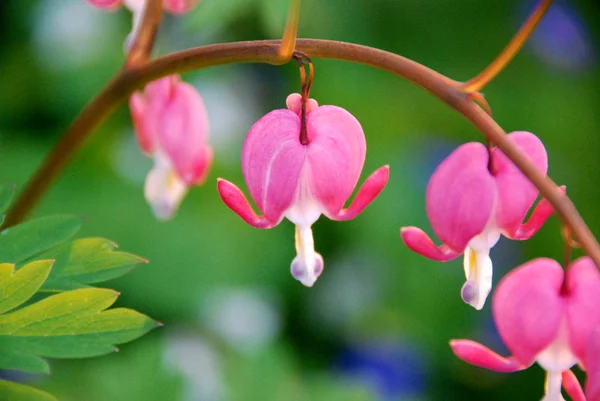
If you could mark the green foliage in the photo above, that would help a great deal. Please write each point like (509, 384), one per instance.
(26, 240)
(17, 392)
(87, 261)
(41, 255)
(72, 324)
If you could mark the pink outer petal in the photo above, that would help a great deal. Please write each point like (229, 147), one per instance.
(528, 308)
(144, 133)
(335, 156)
(592, 366)
(461, 195)
(371, 188)
(106, 4)
(236, 201)
(294, 103)
(179, 7)
(583, 303)
(515, 193)
(182, 133)
(419, 242)
(572, 386)
(272, 159)
(479, 355)
(540, 214)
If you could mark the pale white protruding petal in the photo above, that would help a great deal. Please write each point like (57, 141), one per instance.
(553, 387)
(307, 266)
(478, 271)
(163, 190)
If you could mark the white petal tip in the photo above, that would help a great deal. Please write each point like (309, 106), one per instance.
(307, 271)
(472, 295)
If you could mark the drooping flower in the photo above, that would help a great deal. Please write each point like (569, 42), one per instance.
(471, 201)
(287, 178)
(177, 7)
(546, 316)
(171, 124)
(592, 365)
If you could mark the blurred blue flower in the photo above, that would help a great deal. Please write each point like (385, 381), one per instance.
(562, 41)
(394, 369)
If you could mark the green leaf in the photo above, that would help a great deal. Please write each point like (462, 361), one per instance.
(5, 197)
(16, 288)
(10, 391)
(26, 240)
(71, 324)
(87, 261)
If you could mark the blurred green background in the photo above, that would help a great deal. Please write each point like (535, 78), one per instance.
(237, 325)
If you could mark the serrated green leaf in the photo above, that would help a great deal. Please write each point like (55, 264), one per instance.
(71, 324)
(26, 240)
(87, 261)
(16, 288)
(10, 391)
(5, 197)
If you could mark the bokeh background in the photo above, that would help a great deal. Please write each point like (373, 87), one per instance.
(237, 326)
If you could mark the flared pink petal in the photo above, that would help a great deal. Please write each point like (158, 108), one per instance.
(592, 367)
(294, 103)
(179, 7)
(461, 195)
(145, 133)
(572, 386)
(106, 4)
(272, 159)
(583, 303)
(538, 217)
(371, 188)
(182, 133)
(515, 193)
(236, 201)
(335, 156)
(479, 355)
(419, 242)
(528, 308)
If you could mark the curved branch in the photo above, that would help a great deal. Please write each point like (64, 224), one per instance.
(442, 87)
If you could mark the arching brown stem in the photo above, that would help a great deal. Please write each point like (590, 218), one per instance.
(442, 87)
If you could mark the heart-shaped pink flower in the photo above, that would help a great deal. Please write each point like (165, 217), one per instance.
(471, 202)
(546, 316)
(289, 179)
(171, 124)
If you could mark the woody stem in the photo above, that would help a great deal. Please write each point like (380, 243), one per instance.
(440, 86)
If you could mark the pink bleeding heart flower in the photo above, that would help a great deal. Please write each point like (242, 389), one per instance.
(176, 7)
(171, 124)
(302, 181)
(470, 202)
(546, 316)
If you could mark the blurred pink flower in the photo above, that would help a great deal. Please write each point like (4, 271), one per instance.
(171, 124)
(177, 7)
(542, 319)
(288, 179)
(471, 202)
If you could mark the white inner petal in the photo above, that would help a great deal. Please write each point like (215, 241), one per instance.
(557, 357)
(306, 209)
(553, 387)
(163, 190)
(307, 266)
(478, 271)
